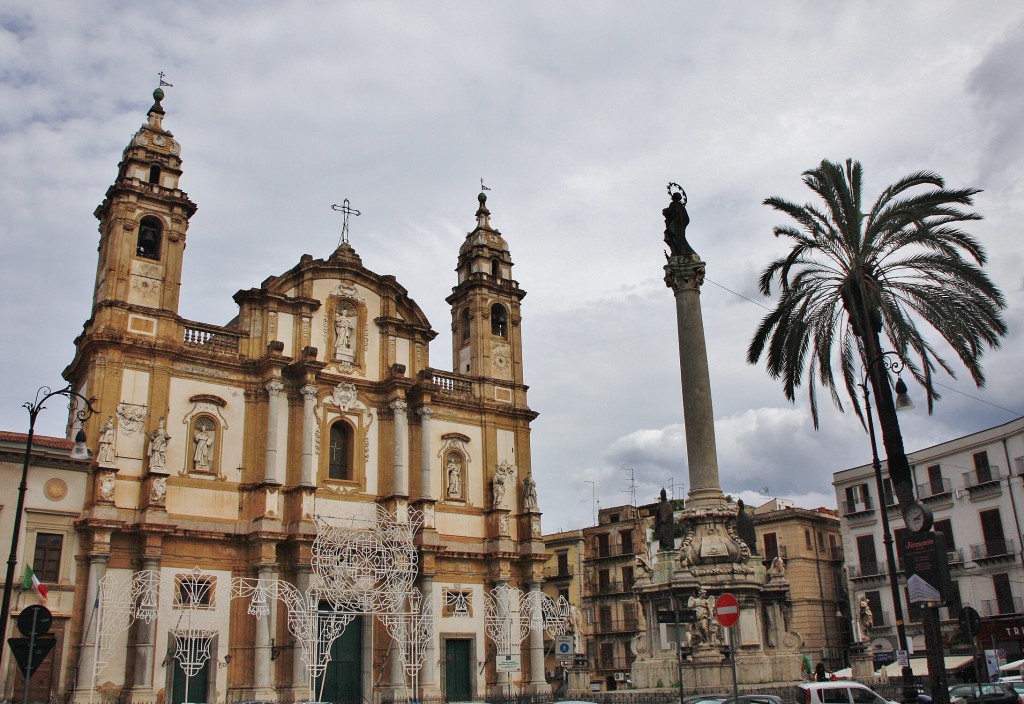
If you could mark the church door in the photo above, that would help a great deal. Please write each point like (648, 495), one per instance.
(458, 669)
(343, 678)
(191, 689)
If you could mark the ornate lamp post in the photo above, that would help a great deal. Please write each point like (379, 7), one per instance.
(80, 452)
(889, 362)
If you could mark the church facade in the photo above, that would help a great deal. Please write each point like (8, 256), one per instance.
(224, 451)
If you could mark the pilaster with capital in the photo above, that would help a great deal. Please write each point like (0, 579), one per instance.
(274, 388)
(308, 433)
(426, 490)
(400, 465)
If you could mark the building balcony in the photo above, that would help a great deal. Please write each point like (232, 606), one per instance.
(615, 626)
(853, 508)
(994, 550)
(935, 489)
(211, 339)
(606, 588)
(836, 554)
(866, 570)
(883, 619)
(558, 572)
(955, 556)
(613, 663)
(980, 479)
(1002, 607)
(601, 552)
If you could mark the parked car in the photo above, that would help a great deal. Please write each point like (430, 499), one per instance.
(754, 699)
(705, 699)
(986, 693)
(840, 692)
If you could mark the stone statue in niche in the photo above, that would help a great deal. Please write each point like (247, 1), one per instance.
(158, 440)
(454, 475)
(108, 437)
(344, 331)
(203, 434)
(504, 477)
(529, 493)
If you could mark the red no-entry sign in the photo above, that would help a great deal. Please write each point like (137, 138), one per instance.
(727, 611)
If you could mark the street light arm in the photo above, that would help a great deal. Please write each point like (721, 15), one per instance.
(44, 394)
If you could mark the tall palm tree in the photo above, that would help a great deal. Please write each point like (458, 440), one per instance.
(853, 279)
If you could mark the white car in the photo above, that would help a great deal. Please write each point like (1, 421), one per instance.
(838, 692)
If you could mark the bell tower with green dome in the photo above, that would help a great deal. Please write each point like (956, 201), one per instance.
(486, 333)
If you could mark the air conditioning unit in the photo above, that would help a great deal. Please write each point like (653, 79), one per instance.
(620, 676)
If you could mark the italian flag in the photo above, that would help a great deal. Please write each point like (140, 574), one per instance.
(32, 582)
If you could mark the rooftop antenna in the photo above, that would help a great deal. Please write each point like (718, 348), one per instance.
(632, 486)
(345, 209)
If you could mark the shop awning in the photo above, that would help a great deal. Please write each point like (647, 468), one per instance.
(920, 665)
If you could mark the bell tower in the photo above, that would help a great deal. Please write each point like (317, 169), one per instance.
(486, 338)
(143, 219)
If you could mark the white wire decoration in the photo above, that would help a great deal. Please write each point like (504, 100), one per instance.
(120, 601)
(412, 630)
(366, 567)
(194, 599)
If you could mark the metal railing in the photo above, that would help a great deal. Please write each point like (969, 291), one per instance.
(993, 548)
(611, 626)
(859, 506)
(558, 571)
(934, 487)
(983, 476)
(599, 551)
(866, 569)
(955, 556)
(1001, 607)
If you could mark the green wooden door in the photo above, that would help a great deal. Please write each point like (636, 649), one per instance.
(197, 684)
(458, 669)
(343, 678)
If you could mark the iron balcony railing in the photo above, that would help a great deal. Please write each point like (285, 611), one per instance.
(599, 551)
(613, 626)
(866, 569)
(558, 571)
(934, 487)
(992, 549)
(1001, 607)
(955, 556)
(982, 477)
(859, 506)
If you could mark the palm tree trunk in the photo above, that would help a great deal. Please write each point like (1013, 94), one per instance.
(892, 439)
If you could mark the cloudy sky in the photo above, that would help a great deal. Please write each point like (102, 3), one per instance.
(576, 114)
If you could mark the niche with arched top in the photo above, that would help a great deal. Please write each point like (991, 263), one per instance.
(150, 236)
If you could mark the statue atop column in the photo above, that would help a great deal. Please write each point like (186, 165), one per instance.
(664, 524)
(676, 220)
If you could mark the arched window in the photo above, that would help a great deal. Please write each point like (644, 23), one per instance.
(495, 269)
(154, 174)
(148, 244)
(464, 324)
(204, 444)
(340, 457)
(499, 320)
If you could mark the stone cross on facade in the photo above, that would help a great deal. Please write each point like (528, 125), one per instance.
(345, 209)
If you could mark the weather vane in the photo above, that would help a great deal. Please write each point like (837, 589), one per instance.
(345, 209)
(163, 82)
(482, 186)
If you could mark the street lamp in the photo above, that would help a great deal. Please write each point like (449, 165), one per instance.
(79, 452)
(890, 362)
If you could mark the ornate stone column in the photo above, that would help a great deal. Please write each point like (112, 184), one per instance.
(300, 675)
(273, 387)
(401, 449)
(308, 432)
(145, 646)
(538, 683)
(426, 456)
(263, 666)
(684, 274)
(87, 659)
